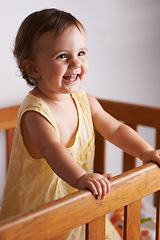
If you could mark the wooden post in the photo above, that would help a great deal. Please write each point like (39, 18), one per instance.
(132, 220)
(157, 147)
(96, 229)
(10, 133)
(99, 161)
(158, 216)
(129, 162)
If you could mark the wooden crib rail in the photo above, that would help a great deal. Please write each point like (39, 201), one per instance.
(55, 219)
(8, 119)
(133, 115)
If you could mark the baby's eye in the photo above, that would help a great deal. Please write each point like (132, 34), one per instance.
(63, 55)
(82, 53)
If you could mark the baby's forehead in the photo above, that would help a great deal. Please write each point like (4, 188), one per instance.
(56, 35)
(54, 38)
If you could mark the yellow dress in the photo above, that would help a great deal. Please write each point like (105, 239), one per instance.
(31, 182)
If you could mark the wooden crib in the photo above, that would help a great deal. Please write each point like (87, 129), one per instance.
(127, 189)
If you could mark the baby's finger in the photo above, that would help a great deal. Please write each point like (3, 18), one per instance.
(92, 188)
(108, 185)
(157, 154)
(156, 157)
(108, 175)
(98, 187)
(104, 187)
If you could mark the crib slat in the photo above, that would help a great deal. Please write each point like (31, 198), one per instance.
(129, 162)
(99, 161)
(132, 216)
(158, 216)
(96, 229)
(10, 134)
(158, 138)
(157, 147)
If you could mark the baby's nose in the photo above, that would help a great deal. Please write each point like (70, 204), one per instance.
(74, 64)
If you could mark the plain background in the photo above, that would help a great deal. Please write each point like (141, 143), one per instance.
(123, 53)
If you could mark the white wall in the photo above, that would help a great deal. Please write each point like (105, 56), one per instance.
(124, 53)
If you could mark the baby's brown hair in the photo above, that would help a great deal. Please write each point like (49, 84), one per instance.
(33, 27)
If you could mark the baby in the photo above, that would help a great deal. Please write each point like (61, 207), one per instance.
(53, 147)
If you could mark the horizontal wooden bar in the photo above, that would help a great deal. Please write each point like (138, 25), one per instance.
(127, 112)
(133, 113)
(8, 117)
(81, 207)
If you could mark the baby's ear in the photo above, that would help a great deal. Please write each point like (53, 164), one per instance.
(29, 66)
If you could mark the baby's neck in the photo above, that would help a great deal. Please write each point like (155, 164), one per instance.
(51, 98)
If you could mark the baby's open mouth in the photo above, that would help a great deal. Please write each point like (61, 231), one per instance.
(71, 78)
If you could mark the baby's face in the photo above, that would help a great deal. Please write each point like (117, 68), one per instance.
(61, 61)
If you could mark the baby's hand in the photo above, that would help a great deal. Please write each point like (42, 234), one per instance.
(98, 184)
(152, 155)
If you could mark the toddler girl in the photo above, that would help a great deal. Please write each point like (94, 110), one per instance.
(53, 147)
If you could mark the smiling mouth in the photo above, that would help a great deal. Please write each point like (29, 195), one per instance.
(71, 78)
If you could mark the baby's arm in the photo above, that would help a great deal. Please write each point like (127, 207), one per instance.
(47, 142)
(121, 135)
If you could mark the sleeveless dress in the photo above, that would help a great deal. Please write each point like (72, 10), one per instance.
(31, 183)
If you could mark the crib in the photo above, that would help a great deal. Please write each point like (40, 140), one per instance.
(52, 221)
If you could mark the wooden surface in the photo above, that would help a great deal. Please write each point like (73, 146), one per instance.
(10, 134)
(100, 154)
(133, 113)
(80, 208)
(55, 219)
(8, 117)
(96, 229)
(158, 216)
(8, 120)
(132, 220)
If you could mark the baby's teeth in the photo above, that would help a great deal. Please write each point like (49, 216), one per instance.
(71, 78)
